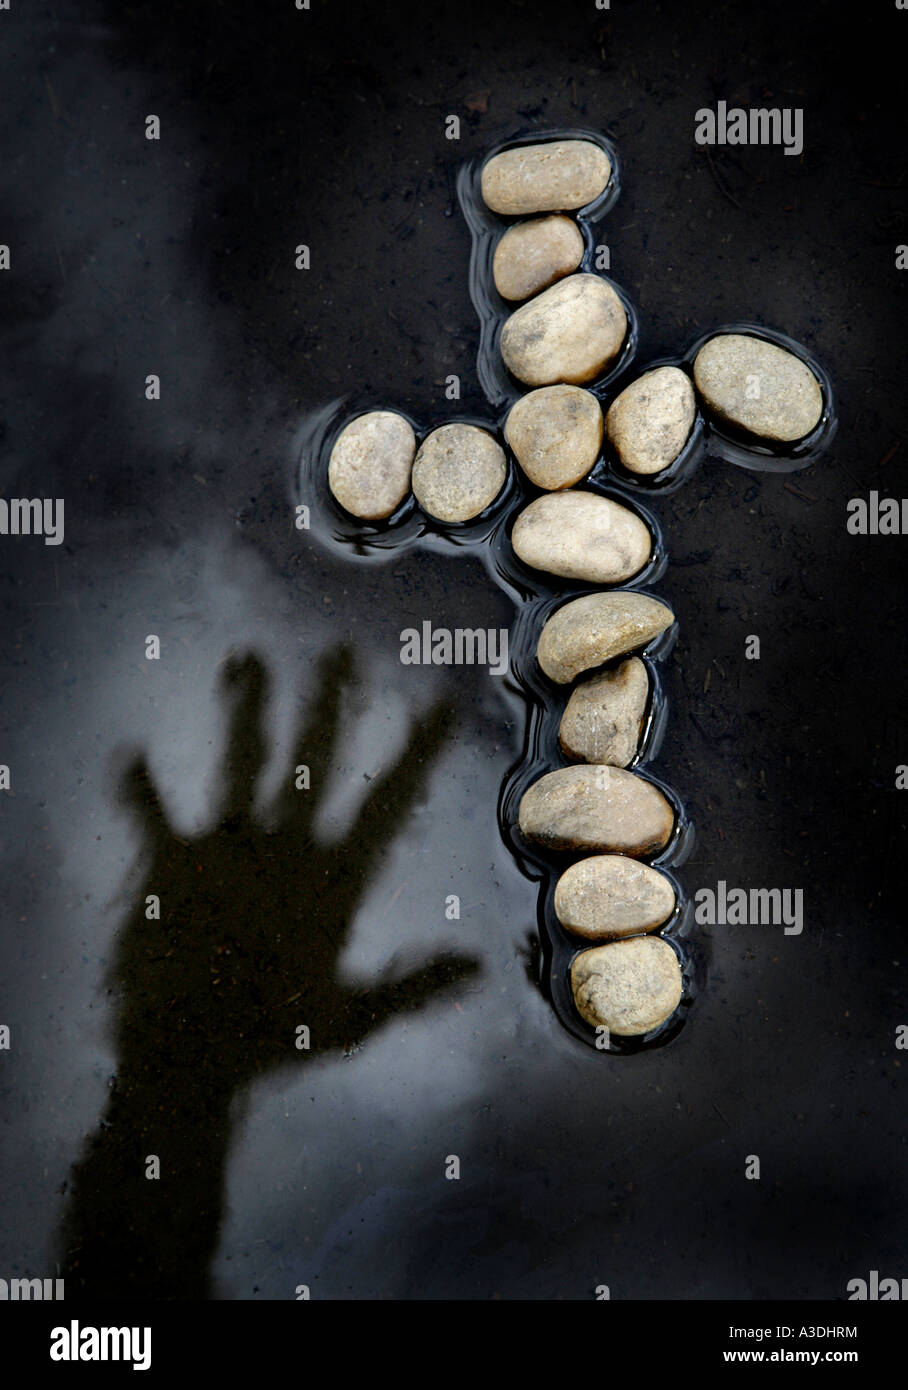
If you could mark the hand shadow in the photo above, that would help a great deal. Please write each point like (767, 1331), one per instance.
(209, 997)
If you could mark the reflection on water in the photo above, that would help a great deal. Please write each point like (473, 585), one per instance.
(179, 522)
(236, 977)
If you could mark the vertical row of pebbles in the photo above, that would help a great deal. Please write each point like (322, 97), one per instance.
(623, 977)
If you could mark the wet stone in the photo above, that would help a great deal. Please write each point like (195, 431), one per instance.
(458, 472)
(556, 435)
(758, 386)
(554, 176)
(630, 987)
(604, 716)
(568, 333)
(649, 423)
(610, 895)
(580, 535)
(369, 467)
(588, 631)
(533, 255)
(596, 808)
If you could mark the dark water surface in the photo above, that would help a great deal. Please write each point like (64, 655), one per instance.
(133, 1037)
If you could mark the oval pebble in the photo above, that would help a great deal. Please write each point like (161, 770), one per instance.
(556, 434)
(554, 176)
(569, 333)
(732, 368)
(458, 472)
(591, 630)
(369, 467)
(630, 987)
(604, 716)
(648, 424)
(533, 255)
(609, 895)
(597, 809)
(580, 535)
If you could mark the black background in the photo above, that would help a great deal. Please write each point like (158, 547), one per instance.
(130, 257)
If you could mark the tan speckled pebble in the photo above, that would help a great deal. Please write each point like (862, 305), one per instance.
(758, 386)
(610, 895)
(570, 333)
(604, 716)
(458, 472)
(598, 809)
(556, 434)
(591, 630)
(369, 467)
(581, 535)
(630, 987)
(554, 176)
(533, 255)
(649, 423)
